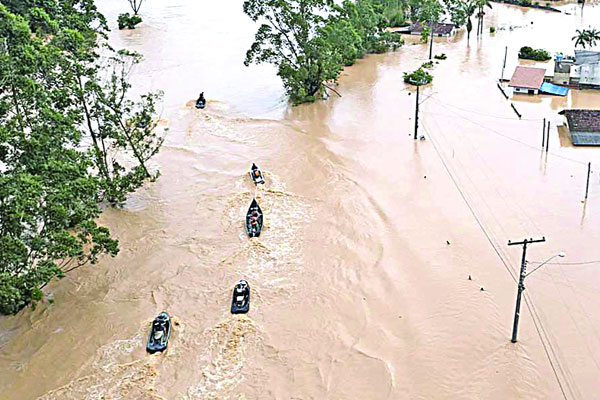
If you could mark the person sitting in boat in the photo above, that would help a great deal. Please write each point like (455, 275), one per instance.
(160, 327)
(256, 173)
(201, 101)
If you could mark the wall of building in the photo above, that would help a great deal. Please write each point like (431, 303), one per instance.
(525, 90)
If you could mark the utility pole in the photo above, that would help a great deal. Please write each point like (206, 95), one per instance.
(587, 185)
(548, 137)
(417, 114)
(504, 65)
(431, 37)
(543, 134)
(521, 286)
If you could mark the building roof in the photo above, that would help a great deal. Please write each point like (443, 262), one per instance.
(438, 28)
(590, 74)
(551, 88)
(583, 120)
(527, 77)
(586, 57)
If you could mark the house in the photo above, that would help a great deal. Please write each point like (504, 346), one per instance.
(439, 29)
(584, 126)
(582, 71)
(562, 70)
(527, 80)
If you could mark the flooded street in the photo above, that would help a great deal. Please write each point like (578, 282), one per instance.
(359, 280)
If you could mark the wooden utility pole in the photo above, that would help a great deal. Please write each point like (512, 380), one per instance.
(504, 64)
(543, 134)
(521, 286)
(587, 185)
(548, 137)
(431, 37)
(417, 114)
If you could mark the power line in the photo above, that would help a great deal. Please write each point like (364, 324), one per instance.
(487, 115)
(506, 136)
(529, 302)
(567, 263)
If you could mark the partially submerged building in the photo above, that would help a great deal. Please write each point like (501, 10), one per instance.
(527, 80)
(581, 71)
(440, 29)
(584, 126)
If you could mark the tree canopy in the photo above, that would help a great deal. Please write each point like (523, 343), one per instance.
(66, 132)
(309, 41)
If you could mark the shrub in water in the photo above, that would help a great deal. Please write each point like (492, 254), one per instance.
(127, 21)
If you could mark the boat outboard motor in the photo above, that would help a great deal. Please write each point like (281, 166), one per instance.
(240, 303)
(201, 102)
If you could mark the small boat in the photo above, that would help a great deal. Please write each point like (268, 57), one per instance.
(240, 303)
(159, 333)
(256, 175)
(254, 219)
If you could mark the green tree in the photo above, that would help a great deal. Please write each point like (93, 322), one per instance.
(586, 37)
(48, 198)
(309, 41)
(51, 178)
(288, 39)
(481, 4)
(135, 5)
(123, 133)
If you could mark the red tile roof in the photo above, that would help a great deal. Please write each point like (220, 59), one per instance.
(527, 77)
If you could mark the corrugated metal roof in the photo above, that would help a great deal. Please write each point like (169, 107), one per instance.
(551, 88)
(583, 120)
(585, 139)
(586, 57)
(590, 74)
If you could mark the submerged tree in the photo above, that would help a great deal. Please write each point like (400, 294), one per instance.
(123, 133)
(48, 198)
(309, 41)
(288, 39)
(135, 5)
(51, 181)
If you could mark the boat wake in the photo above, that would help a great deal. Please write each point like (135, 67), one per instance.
(225, 358)
(118, 372)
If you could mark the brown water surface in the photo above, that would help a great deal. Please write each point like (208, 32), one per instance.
(356, 293)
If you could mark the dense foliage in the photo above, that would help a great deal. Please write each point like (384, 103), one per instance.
(586, 37)
(529, 53)
(127, 21)
(70, 138)
(418, 77)
(310, 41)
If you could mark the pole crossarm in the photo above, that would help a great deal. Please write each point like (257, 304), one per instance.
(527, 241)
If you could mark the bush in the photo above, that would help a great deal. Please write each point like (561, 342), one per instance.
(442, 56)
(127, 21)
(527, 53)
(428, 65)
(418, 78)
(492, 29)
(526, 3)
(425, 34)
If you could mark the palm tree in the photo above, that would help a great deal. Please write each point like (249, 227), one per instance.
(586, 37)
(593, 36)
(469, 8)
(480, 5)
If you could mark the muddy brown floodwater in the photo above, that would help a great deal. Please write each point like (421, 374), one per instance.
(356, 293)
